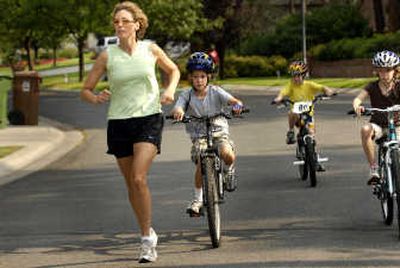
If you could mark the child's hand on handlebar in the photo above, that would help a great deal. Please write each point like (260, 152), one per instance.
(178, 114)
(237, 108)
(359, 110)
(277, 100)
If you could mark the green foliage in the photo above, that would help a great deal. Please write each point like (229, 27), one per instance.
(336, 22)
(323, 25)
(356, 47)
(253, 66)
(68, 53)
(175, 20)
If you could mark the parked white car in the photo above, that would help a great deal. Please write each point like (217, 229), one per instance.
(104, 42)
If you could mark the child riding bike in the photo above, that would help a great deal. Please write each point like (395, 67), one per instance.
(300, 90)
(204, 99)
(383, 93)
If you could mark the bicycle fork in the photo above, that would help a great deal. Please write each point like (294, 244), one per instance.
(387, 174)
(300, 153)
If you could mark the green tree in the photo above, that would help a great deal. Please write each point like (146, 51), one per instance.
(174, 20)
(323, 25)
(226, 12)
(18, 25)
(80, 17)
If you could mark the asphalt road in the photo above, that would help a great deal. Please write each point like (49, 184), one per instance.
(75, 213)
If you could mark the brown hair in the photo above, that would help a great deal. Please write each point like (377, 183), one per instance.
(137, 14)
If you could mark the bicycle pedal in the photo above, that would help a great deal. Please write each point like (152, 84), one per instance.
(299, 162)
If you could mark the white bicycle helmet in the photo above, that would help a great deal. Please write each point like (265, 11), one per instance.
(385, 59)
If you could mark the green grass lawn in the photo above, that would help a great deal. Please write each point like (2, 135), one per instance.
(6, 150)
(330, 82)
(58, 82)
(47, 66)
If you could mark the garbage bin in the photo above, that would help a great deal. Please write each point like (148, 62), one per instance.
(4, 88)
(25, 98)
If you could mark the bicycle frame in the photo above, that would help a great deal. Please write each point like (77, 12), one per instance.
(212, 176)
(385, 148)
(387, 188)
(211, 152)
(307, 158)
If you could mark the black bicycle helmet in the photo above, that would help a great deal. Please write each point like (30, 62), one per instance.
(200, 61)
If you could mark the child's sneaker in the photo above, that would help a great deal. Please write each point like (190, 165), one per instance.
(230, 179)
(148, 245)
(290, 139)
(194, 207)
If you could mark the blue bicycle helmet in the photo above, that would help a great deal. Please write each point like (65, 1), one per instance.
(200, 61)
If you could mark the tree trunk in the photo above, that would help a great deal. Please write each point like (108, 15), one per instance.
(393, 10)
(81, 43)
(379, 16)
(220, 47)
(27, 45)
(291, 7)
(54, 56)
(35, 53)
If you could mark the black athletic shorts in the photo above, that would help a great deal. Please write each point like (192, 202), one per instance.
(123, 133)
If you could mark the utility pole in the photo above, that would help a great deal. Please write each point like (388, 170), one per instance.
(303, 13)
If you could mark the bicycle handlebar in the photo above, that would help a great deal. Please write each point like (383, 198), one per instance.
(188, 118)
(369, 111)
(285, 102)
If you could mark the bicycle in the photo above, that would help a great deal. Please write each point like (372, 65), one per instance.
(307, 158)
(388, 187)
(212, 170)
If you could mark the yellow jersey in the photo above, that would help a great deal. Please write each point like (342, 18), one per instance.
(303, 92)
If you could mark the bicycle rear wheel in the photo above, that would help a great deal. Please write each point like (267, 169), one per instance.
(311, 161)
(385, 198)
(395, 155)
(211, 195)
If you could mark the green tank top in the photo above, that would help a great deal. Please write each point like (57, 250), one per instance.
(133, 84)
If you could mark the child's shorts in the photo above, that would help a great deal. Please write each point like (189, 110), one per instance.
(201, 144)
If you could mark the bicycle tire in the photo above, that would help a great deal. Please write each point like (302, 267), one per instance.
(386, 199)
(395, 155)
(211, 195)
(311, 161)
(303, 170)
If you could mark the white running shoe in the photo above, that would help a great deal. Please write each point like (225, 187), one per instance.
(373, 175)
(148, 245)
(230, 179)
(195, 207)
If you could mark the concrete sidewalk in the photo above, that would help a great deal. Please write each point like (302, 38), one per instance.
(42, 145)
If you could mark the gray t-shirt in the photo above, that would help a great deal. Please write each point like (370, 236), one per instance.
(214, 102)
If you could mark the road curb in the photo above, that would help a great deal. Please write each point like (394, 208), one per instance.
(42, 145)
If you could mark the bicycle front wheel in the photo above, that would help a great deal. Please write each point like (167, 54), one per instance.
(395, 155)
(386, 198)
(211, 195)
(311, 161)
(303, 170)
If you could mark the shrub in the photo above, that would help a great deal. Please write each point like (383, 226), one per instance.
(68, 53)
(323, 25)
(253, 66)
(356, 47)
